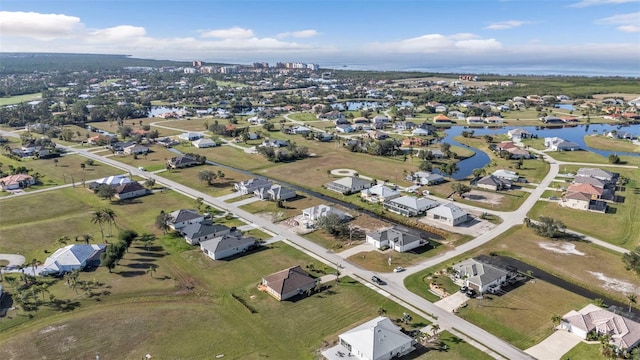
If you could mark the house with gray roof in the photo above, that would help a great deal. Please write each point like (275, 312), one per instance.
(624, 333)
(558, 144)
(480, 276)
(274, 193)
(409, 205)
(131, 190)
(449, 214)
(348, 185)
(182, 161)
(426, 178)
(205, 230)
(395, 238)
(598, 174)
(183, 217)
(227, 245)
(314, 213)
(377, 339)
(494, 183)
(288, 283)
(251, 185)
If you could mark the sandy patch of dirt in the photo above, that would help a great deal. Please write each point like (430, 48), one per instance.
(561, 248)
(615, 284)
(50, 328)
(484, 197)
(626, 97)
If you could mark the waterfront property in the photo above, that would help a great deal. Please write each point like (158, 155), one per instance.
(409, 205)
(480, 276)
(448, 213)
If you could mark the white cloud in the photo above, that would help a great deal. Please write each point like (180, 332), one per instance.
(117, 33)
(37, 26)
(231, 33)
(587, 3)
(503, 25)
(298, 34)
(438, 43)
(625, 22)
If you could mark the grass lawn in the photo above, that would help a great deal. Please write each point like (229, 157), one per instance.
(605, 143)
(510, 200)
(189, 177)
(17, 99)
(202, 303)
(158, 156)
(456, 349)
(523, 315)
(37, 224)
(584, 351)
(304, 116)
(60, 173)
(379, 260)
(291, 208)
(235, 157)
(598, 269)
(329, 242)
(589, 157)
(187, 124)
(622, 227)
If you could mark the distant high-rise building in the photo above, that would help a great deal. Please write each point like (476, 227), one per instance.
(261, 65)
(197, 63)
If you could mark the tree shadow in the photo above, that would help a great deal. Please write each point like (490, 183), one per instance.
(63, 305)
(131, 273)
(151, 254)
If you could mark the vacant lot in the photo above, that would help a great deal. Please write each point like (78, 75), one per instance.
(378, 261)
(523, 315)
(189, 177)
(606, 143)
(204, 305)
(19, 98)
(291, 208)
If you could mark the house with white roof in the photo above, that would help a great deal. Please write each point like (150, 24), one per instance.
(348, 185)
(204, 143)
(507, 174)
(409, 205)
(624, 333)
(448, 213)
(314, 213)
(518, 134)
(72, 257)
(379, 193)
(558, 144)
(190, 136)
(377, 339)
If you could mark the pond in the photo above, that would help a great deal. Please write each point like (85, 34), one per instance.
(564, 106)
(570, 133)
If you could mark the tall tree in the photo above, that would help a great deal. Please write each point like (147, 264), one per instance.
(98, 218)
(163, 220)
(110, 218)
(633, 298)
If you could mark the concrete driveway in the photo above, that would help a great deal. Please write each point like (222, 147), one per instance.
(14, 261)
(452, 301)
(554, 346)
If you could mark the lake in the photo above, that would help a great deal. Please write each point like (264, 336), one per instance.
(570, 133)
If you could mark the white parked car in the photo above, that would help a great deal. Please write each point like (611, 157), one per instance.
(398, 269)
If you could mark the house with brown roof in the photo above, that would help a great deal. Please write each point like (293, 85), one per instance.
(582, 201)
(584, 188)
(288, 283)
(623, 333)
(442, 119)
(130, 190)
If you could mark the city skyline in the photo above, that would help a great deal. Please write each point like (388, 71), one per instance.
(588, 36)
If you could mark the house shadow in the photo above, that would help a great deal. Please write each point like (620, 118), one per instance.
(248, 252)
(421, 249)
(5, 304)
(132, 273)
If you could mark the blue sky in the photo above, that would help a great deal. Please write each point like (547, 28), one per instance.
(602, 35)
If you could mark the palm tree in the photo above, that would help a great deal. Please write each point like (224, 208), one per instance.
(152, 268)
(435, 328)
(633, 298)
(63, 240)
(110, 218)
(556, 319)
(98, 218)
(147, 239)
(87, 238)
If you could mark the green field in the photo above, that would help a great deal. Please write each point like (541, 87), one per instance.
(605, 143)
(17, 99)
(584, 351)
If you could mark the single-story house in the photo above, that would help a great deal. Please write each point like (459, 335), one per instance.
(204, 143)
(183, 217)
(558, 144)
(275, 143)
(72, 257)
(251, 185)
(377, 339)
(395, 238)
(448, 213)
(507, 174)
(475, 120)
(518, 153)
(130, 190)
(494, 183)
(17, 181)
(505, 146)
(301, 130)
(494, 120)
(316, 212)
(601, 184)
(379, 193)
(281, 193)
(623, 333)
(190, 136)
(598, 174)
(420, 132)
(288, 283)
(409, 205)
(227, 245)
(182, 161)
(136, 149)
(594, 192)
(344, 128)
(205, 230)
(427, 178)
(348, 185)
(518, 134)
(480, 276)
(113, 180)
(442, 119)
